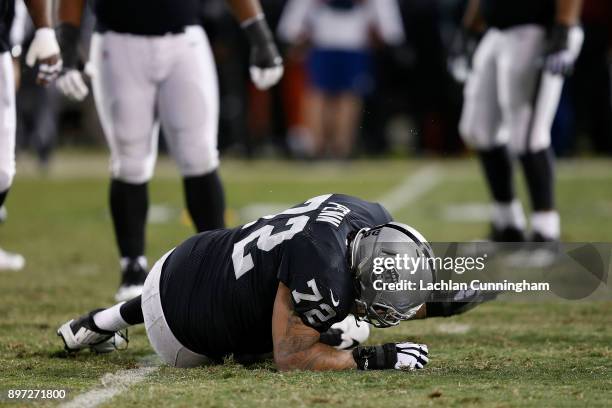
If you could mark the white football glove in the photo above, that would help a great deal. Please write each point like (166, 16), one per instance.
(45, 51)
(347, 334)
(266, 78)
(266, 62)
(72, 84)
(411, 356)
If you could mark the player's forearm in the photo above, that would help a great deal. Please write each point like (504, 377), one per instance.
(39, 12)
(318, 357)
(472, 19)
(297, 346)
(568, 12)
(245, 10)
(70, 12)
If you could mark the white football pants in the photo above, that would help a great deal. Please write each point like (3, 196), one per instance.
(8, 121)
(141, 81)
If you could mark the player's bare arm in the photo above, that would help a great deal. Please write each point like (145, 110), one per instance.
(297, 346)
(568, 12)
(70, 11)
(472, 19)
(44, 49)
(266, 62)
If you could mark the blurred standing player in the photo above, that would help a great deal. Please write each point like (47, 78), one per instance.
(511, 98)
(339, 63)
(45, 51)
(152, 64)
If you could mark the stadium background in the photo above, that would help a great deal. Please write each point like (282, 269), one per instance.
(412, 109)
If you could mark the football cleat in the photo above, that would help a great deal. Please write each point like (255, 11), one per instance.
(133, 276)
(10, 261)
(82, 333)
(508, 234)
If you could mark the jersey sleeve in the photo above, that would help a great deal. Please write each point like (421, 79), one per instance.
(320, 288)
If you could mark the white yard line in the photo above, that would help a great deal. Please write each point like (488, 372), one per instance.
(112, 384)
(412, 188)
(453, 328)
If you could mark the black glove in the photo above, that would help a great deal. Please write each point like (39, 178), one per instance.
(446, 304)
(400, 356)
(71, 82)
(68, 36)
(461, 53)
(266, 62)
(560, 60)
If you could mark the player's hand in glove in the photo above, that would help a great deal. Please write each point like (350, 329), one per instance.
(71, 82)
(461, 54)
(45, 52)
(347, 334)
(398, 356)
(560, 55)
(266, 63)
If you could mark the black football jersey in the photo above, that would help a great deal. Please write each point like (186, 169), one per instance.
(218, 288)
(146, 17)
(509, 13)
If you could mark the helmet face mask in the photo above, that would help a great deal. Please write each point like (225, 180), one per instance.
(382, 316)
(385, 308)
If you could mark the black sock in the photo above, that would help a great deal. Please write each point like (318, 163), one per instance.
(131, 311)
(497, 165)
(3, 197)
(539, 171)
(129, 206)
(205, 201)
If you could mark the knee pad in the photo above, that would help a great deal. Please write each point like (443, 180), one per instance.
(7, 174)
(197, 161)
(132, 170)
(476, 136)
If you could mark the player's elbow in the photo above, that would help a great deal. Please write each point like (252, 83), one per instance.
(286, 361)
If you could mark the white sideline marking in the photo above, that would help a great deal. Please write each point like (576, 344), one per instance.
(113, 384)
(412, 188)
(454, 328)
(468, 212)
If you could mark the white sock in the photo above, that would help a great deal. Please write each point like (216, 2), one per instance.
(509, 215)
(142, 260)
(547, 224)
(110, 319)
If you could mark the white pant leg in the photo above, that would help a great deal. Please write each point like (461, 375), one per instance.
(188, 103)
(125, 95)
(481, 114)
(8, 122)
(519, 71)
(160, 336)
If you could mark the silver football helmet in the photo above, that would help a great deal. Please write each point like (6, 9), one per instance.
(393, 254)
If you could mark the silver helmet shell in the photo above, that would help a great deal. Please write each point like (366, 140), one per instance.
(370, 248)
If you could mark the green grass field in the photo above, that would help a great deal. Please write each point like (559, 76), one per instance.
(502, 354)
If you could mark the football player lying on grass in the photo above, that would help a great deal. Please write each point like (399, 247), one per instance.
(278, 285)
